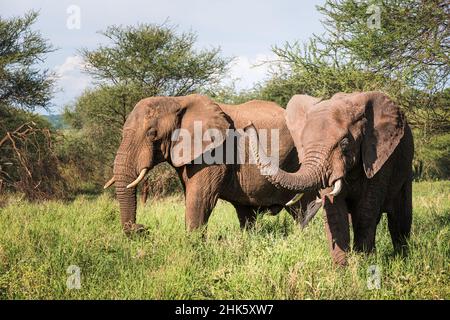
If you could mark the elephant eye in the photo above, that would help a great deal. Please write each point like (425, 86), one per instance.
(345, 144)
(151, 133)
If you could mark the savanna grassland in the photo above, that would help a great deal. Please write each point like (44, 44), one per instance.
(276, 260)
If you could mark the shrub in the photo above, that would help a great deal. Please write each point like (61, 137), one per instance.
(432, 156)
(28, 162)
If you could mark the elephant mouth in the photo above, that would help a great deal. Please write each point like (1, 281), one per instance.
(337, 188)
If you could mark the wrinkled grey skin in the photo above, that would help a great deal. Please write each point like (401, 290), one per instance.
(147, 141)
(363, 141)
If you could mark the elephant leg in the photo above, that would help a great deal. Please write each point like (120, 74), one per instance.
(400, 219)
(364, 230)
(365, 221)
(246, 215)
(337, 229)
(368, 210)
(202, 192)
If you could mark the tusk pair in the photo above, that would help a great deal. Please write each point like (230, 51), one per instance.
(109, 183)
(294, 199)
(337, 188)
(138, 179)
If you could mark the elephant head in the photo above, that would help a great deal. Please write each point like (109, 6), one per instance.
(149, 137)
(334, 136)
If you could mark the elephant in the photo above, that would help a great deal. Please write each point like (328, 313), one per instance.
(147, 140)
(356, 153)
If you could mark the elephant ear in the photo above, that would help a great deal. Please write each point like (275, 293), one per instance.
(383, 132)
(203, 127)
(296, 111)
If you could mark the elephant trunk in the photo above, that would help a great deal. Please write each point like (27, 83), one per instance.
(308, 177)
(127, 202)
(123, 176)
(132, 162)
(305, 179)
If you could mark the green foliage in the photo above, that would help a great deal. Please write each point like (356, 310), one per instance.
(432, 156)
(411, 43)
(22, 84)
(56, 121)
(306, 70)
(228, 94)
(163, 181)
(157, 59)
(38, 242)
(28, 163)
(407, 57)
(79, 164)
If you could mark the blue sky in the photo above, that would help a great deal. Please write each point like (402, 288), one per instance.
(245, 30)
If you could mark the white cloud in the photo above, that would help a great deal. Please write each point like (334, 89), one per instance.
(249, 70)
(72, 63)
(71, 80)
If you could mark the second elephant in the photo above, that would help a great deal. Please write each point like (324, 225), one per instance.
(356, 152)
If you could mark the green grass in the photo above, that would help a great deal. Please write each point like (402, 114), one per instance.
(38, 242)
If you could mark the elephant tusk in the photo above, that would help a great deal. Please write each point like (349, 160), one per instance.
(337, 188)
(294, 199)
(138, 179)
(109, 183)
(318, 200)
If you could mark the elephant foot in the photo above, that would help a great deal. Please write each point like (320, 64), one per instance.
(339, 256)
(135, 229)
(401, 250)
(340, 259)
(366, 247)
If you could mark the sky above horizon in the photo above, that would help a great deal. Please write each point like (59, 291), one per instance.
(245, 30)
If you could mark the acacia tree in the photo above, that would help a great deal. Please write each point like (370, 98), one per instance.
(410, 47)
(405, 53)
(27, 159)
(22, 83)
(137, 62)
(156, 58)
